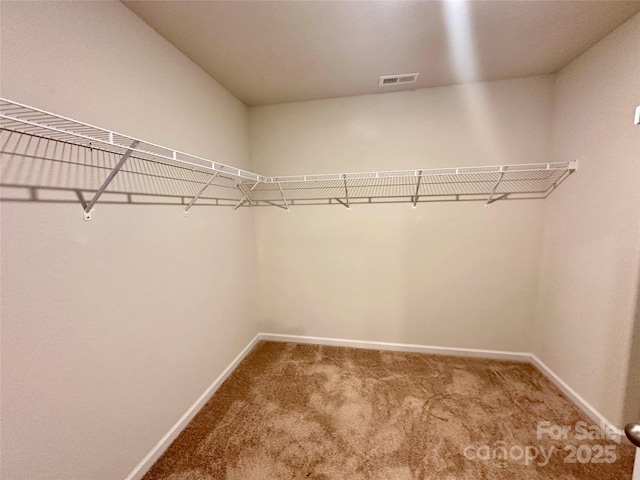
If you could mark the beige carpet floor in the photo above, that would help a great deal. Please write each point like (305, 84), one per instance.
(292, 411)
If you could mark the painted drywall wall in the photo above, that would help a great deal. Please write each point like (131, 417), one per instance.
(449, 274)
(589, 266)
(112, 328)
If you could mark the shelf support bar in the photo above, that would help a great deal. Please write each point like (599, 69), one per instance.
(495, 187)
(286, 205)
(415, 198)
(194, 199)
(346, 191)
(105, 184)
(246, 197)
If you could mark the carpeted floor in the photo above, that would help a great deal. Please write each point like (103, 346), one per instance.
(292, 411)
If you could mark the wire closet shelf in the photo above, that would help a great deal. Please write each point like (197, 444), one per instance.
(486, 183)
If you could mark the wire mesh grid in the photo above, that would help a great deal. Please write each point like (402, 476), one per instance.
(407, 185)
(24, 119)
(40, 163)
(83, 154)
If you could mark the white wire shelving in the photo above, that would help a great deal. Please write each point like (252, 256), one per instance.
(197, 179)
(490, 183)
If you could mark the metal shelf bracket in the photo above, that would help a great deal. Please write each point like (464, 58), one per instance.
(284, 199)
(194, 199)
(87, 215)
(495, 187)
(346, 192)
(416, 196)
(89, 208)
(246, 197)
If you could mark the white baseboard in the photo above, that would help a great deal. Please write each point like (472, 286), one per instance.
(147, 462)
(399, 347)
(575, 397)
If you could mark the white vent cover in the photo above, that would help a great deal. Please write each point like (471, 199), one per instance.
(398, 79)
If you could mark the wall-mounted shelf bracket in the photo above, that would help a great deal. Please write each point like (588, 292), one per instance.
(246, 197)
(199, 194)
(346, 192)
(416, 196)
(88, 209)
(284, 199)
(495, 187)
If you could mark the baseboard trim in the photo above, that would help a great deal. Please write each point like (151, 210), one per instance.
(147, 462)
(575, 397)
(399, 347)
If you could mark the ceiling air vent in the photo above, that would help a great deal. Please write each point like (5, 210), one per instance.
(398, 79)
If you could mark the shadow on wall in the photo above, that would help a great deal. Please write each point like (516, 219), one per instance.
(36, 169)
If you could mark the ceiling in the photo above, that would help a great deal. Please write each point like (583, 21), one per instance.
(268, 52)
